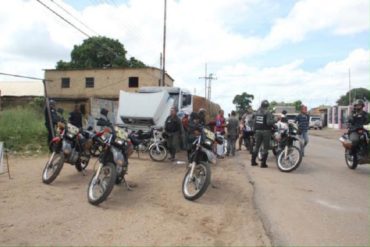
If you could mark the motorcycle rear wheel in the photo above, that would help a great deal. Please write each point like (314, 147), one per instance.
(349, 160)
(53, 167)
(291, 161)
(199, 182)
(158, 153)
(101, 186)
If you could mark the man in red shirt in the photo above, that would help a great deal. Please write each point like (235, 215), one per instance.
(220, 130)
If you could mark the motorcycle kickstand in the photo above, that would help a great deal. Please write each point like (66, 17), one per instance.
(128, 187)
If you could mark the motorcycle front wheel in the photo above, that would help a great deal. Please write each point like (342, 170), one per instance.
(53, 167)
(289, 159)
(349, 160)
(194, 186)
(158, 152)
(101, 184)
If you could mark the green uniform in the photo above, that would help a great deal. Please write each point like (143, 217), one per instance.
(263, 120)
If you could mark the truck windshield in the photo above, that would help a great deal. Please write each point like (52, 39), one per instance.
(175, 97)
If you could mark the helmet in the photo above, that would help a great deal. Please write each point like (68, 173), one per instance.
(359, 102)
(284, 112)
(104, 111)
(202, 110)
(52, 102)
(265, 104)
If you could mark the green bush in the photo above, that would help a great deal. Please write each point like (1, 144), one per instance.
(23, 129)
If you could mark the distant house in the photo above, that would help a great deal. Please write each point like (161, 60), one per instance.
(94, 89)
(17, 93)
(338, 115)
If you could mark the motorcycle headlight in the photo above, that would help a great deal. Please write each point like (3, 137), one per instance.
(208, 142)
(69, 135)
(119, 142)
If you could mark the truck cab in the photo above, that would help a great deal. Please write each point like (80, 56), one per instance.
(183, 99)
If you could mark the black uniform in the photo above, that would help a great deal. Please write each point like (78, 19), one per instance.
(75, 118)
(356, 121)
(54, 119)
(173, 129)
(263, 121)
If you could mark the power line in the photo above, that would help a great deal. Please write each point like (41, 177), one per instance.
(23, 76)
(46, 6)
(61, 7)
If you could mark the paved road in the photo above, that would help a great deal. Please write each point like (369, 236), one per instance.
(321, 203)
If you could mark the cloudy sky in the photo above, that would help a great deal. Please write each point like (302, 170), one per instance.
(280, 50)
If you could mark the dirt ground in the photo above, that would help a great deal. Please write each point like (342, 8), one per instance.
(155, 213)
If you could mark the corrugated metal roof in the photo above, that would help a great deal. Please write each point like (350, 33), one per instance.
(21, 88)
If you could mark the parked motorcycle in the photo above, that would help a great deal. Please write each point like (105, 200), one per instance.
(113, 164)
(71, 146)
(289, 156)
(198, 175)
(150, 141)
(363, 149)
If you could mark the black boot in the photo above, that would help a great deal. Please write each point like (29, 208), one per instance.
(253, 161)
(263, 163)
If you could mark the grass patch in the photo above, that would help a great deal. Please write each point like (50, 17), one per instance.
(22, 129)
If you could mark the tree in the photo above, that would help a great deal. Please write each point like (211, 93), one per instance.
(297, 104)
(356, 93)
(242, 102)
(99, 52)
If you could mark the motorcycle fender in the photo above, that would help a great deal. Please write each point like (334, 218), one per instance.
(117, 156)
(56, 139)
(210, 155)
(154, 145)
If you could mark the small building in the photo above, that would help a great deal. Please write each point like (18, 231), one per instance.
(19, 93)
(94, 89)
(338, 115)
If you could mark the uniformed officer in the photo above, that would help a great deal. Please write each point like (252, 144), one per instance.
(173, 127)
(54, 120)
(356, 121)
(263, 121)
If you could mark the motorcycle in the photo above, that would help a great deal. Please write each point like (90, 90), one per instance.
(289, 156)
(363, 149)
(70, 146)
(113, 164)
(151, 141)
(198, 174)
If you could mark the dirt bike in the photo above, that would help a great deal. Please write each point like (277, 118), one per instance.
(113, 165)
(151, 141)
(198, 174)
(289, 156)
(70, 146)
(363, 149)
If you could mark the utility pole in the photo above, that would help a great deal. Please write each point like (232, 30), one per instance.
(164, 45)
(210, 78)
(205, 85)
(349, 85)
(207, 94)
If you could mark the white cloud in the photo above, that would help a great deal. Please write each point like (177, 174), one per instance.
(341, 16)
(290, 82)
(197, 32)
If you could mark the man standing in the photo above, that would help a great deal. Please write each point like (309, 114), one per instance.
(263, 121)
(54, 120)
(75, 117)
(173, 131)
(303, 124)
(233, 131)
(356, 121)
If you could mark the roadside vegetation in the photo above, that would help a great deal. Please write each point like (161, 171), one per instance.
(22, 129)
